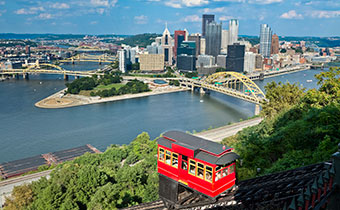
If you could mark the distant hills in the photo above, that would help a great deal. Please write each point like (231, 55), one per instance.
(147, 38)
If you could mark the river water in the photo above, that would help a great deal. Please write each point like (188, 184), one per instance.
(26, 130)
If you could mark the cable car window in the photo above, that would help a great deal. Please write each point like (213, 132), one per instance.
(200, 170)
(184, 162)
(174, 160)
(161, 154)
(192, 167)
(208, 173)
(168, 157)
(218, 175)
(231, 169)
(225, 172)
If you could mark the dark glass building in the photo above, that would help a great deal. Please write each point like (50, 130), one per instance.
(213, 39)
(205, 20)
(196, 38)
(186, 62)
(187, 47)
(235, 58)
(179, 38)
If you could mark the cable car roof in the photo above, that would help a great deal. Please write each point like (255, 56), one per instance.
(206, 150)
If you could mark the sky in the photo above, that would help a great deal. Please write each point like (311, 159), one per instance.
(285, 17)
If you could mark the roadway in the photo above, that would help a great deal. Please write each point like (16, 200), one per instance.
(7, 186)
(218, 134)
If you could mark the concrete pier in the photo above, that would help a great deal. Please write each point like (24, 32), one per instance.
(202, 91)
(257, 109)
(25, 76)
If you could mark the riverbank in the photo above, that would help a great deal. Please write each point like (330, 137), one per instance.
(220, 133)
(59, 100)
(283, 71)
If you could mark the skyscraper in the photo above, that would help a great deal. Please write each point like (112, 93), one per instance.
(167, 46)
(235, 58)
(122, 60)
(233, 31)
(196, 38)
(249, 62)
(275, 44)
(213, 39)
(205, 20)
(179, 38)
(225, 39)
(265, 40)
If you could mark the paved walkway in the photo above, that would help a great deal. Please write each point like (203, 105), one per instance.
(7, 186)
(218, 134)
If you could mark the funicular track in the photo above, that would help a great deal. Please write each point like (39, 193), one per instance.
(273, 191)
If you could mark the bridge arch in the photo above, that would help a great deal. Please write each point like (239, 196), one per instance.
(227, 79)
(44, 64)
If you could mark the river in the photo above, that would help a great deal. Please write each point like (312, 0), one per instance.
(26, 130)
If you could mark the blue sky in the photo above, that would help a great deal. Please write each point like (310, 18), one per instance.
(286, 17)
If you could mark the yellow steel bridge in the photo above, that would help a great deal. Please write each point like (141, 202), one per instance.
(53, 69)
(90, 58)
(229, 83)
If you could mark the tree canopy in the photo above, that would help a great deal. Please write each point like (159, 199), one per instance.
(299, 128)
(120, 177)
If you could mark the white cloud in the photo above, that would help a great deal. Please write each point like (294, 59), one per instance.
(2, 2)
(193, 3)
(191, 18)
(60, 6)
(224, 18)
(142, 19)
(93, 22)
(103, 3)
(214, 10)
(173, 4)
(324, 14)
(29, 11)
(291, 15)
(231, 0)
(100, 3)
(264, 1)
(45, 16)
(185, 3)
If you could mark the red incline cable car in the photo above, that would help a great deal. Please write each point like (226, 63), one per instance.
(190, 166)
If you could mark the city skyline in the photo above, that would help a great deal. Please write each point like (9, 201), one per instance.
(286, 17)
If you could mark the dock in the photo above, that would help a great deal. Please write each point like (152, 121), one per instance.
(22, 166)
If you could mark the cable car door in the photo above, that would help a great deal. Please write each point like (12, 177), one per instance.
(183, 170)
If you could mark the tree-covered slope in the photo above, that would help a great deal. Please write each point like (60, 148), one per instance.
(119, 177)
(299, 128)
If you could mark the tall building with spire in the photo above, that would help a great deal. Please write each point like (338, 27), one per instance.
(275, 44)
(167, 45)
(233, 31)
(205, 20)
(265, 40)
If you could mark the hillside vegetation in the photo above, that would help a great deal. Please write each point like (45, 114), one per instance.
(300, 127)
(121, 176)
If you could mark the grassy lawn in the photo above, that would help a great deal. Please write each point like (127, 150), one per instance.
(101, 87)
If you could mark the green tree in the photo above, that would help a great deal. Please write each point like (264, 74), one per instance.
(281, 97)
(21, 197)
